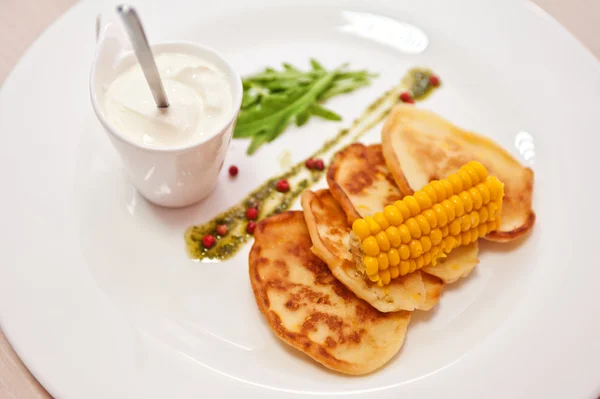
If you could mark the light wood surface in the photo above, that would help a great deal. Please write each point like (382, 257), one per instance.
(22, 21)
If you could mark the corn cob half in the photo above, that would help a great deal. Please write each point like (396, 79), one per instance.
(422, 228)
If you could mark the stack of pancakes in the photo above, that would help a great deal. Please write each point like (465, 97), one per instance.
(302, 271)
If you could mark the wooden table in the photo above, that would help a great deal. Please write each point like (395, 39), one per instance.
(21, 21)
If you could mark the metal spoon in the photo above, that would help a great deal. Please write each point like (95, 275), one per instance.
(138, 38)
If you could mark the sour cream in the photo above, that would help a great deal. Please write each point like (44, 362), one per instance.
(199, 95)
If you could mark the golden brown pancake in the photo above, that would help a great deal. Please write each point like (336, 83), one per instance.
(420, 146)
(361, 182)
(309, 309)
(460, 263)
(330, 236)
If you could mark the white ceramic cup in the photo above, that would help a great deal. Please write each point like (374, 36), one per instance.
(170, 177)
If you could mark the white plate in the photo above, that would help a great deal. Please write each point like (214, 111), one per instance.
(97, 295)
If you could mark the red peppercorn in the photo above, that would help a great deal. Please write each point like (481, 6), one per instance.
(406, 97)
(251, 227)
(222, 229)
(283, 186)
(208, 241)
(233, 171)
(310, 163)
(252, 213)
(319, 164)
(434, 80)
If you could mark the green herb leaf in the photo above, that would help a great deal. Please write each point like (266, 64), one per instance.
(303, 117)
(323, 112)
(273, 98)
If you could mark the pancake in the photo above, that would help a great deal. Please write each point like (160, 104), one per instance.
(420, 146)
(309, 309)
(459, 264)
(360, 181)
(330, 236)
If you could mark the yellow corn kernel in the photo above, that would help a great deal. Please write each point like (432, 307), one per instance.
(445, 231)
(385, 277)
(474, 234)
(383, 261)
(412, 204)
(472, 173)
(466, 200)
(480, 169)
(426, 258)
(448, 190)
(370, 246)
(458, 239)
(474, 219)
(455, 227)
(466, 238)
(374, 277)
(419, 262)
(394, 272)
(449, 243)
(415, 248)
(413, 228)
(374, 228)
(449, 209)
(459, 208)
(394, 257)
(498, 222)
(484, 191)
(465, 222)
(495, 186)
(476, 198)
(440, 191)
(483, 214)
(404, 234)
(394, 236)
(371, 265)
(492, 211)
(392, 215)
(361, 228)
(423, 200)
(413, 266)
(404, 267)
(429, 214)
(382, 241)
(403, 209)
(404, 252)
(482, 230)
(436, 250)
(381, 220)
(440, 215)
(430, 193)
(426, 243)
(423, 224)
(436, 236)
(457, 185)
(466, 179)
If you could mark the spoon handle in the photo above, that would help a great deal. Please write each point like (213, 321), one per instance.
(143, 53)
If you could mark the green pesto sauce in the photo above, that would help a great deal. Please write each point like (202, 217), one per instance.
(271, 202)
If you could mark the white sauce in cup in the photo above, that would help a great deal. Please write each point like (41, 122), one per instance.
(199, 95)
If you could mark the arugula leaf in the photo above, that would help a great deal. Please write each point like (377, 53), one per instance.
(272, 99)
(303, 117)
(325, 113)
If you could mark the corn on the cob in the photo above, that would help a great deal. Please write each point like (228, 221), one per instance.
(421, 228)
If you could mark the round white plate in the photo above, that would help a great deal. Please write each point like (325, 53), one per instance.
(98, 296)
